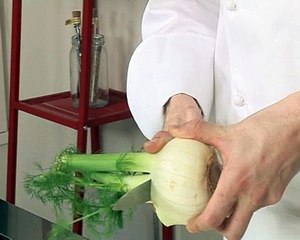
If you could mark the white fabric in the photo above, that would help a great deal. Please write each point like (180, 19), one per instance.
(235, 57)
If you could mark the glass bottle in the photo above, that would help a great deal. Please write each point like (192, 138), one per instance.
(99, 81)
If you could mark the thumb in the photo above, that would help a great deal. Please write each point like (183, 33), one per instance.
(160, 139)
(199, 130)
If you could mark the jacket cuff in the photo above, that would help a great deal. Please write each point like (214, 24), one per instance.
(163, 66)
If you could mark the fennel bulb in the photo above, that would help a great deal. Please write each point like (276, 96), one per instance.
(180, 184)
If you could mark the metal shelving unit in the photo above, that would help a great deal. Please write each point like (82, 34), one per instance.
(57, 107)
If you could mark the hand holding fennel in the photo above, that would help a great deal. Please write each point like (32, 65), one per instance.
(179, 173)
(260, 156)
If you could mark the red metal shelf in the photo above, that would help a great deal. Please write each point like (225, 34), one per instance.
(58, 108)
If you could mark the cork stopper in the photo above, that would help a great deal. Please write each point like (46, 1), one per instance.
(76, 14)
(76, 18)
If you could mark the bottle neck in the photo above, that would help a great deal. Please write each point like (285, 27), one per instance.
(98, 40)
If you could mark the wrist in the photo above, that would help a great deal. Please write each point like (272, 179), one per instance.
(182, 99)
(181, 108)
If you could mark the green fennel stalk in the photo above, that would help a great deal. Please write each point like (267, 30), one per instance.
(110, 176)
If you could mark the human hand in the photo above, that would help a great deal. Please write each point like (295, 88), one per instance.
(180, 108)
(260, 156)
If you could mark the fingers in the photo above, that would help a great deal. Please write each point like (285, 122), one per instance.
(232, 226)
(236, 225)
(226, 212)
(159, 140)
(216, 212)
(200, 130)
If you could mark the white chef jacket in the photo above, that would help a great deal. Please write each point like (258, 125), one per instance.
(235, 57)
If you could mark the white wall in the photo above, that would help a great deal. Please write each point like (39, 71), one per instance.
(44, 69)
(3, 112)
(3, 120)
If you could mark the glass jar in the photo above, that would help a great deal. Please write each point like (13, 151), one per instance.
(99, 81)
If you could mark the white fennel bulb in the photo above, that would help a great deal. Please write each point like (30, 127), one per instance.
(180, 182)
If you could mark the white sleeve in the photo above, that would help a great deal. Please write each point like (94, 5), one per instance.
(175, 56)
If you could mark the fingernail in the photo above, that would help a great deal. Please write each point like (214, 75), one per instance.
(192, 227)
(189, 229)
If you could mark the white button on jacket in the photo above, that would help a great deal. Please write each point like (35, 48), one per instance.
(204, 49)
(231, 5)
(238, 100)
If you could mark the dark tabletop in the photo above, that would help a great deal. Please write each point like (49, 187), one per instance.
(19, 224)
